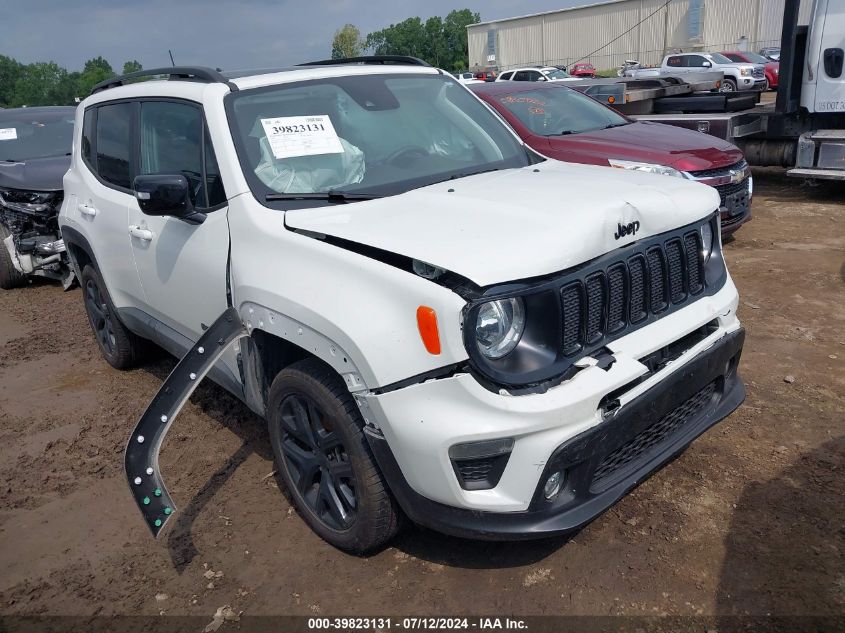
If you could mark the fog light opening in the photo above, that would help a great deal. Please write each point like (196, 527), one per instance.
(553, 485)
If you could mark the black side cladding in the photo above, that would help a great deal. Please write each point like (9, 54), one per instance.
(141, 457)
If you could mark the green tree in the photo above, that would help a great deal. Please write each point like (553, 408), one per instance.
(38, 84)
(347, 42)
(439, 41)
(132, 66)
(10, 70)
(455, 32)
(94, 71)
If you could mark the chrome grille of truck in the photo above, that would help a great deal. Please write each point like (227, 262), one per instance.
(626, 291)
(758, 73)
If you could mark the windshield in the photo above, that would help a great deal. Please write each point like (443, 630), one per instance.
(557, 74)
(25, 135)
(558, 110)
(720, 59)
(755, 58)
(374, 134)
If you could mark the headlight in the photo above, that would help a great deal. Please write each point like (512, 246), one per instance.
(777, 71)
(646, 167)
(745, 71)
(499, 326)
(706, 241)
(27, 201)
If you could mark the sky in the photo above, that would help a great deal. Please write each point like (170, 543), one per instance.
(230, 34)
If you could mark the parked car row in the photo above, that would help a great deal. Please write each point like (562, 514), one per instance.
(433, 317)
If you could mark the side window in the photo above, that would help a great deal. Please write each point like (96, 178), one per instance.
(171, 141)
(696, 61)
(534, 75)
(506, 76)
(676, 61)
(522, 75)
(88, 138)
(113, 143)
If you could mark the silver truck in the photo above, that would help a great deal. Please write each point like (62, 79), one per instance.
(737, 75)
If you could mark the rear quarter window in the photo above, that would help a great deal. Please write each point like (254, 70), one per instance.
(87, 138)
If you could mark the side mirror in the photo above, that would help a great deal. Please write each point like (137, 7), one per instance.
(541, 78)
(166, 194)
(707, 65)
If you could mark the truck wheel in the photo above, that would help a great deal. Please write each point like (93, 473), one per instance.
(324, 459)
(728, 85)
(9, 275)
(121, 348)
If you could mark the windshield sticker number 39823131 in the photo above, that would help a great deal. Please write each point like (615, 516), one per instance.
(293, 136)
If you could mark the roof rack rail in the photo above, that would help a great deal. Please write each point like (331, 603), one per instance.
(371, 59)
(175, 73)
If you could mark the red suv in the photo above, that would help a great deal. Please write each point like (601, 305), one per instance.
(772, 69)
(564, 124)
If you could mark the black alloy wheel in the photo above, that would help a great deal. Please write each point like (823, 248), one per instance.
(320, 468)
(101, 318)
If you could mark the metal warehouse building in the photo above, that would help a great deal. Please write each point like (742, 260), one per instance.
(607, 33)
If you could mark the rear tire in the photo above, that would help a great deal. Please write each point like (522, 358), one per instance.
(324, 460)
(9, 276)
(121, 348)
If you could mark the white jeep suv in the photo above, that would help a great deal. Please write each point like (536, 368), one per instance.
(498, 355)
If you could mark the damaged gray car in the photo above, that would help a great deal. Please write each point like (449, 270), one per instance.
(35, 148)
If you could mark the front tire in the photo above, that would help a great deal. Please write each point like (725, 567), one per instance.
(728, 85)
(121, 348)
(9, 276)
(324, 459)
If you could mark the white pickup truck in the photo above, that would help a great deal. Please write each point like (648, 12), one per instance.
(691, 66)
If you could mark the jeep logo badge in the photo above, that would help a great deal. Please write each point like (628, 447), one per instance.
(626, 229)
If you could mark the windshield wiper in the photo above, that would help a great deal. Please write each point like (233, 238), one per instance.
(466, 174)
(331, 196)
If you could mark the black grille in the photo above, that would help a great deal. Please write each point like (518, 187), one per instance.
(720, 171)
(675, 260)
(636, 267)
(596, 301)
(626, 291)
(475, 469)
(652, 436)
(692, 246)
(731, 189)
(571, 299)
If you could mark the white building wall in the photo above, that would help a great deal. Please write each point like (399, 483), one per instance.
(566, 36)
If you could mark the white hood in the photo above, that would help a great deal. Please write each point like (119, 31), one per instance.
(515, 224)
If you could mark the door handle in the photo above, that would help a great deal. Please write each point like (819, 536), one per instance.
(142, 234)
(84, 209)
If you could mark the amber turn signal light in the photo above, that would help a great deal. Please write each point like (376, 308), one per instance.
(427, 324)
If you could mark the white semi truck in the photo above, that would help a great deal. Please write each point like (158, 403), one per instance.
(805, 128)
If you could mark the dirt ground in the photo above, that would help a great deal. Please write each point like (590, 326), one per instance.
(749, 520)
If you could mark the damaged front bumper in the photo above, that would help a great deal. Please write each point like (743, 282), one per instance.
(141, 457)
(599, 465)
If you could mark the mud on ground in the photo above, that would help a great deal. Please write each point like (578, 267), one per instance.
(750, 520)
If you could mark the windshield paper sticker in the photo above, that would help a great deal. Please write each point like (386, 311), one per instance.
(292, 136)
(8, 133)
